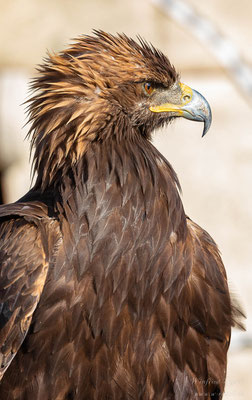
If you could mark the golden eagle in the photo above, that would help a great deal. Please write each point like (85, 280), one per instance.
(107, 289)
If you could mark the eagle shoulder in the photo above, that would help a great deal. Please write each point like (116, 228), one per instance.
(24, 262)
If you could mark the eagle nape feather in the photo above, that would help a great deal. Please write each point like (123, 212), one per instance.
(107, 289)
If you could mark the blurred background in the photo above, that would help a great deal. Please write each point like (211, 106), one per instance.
(210, 44)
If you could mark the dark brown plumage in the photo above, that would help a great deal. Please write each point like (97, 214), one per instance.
(108, 290)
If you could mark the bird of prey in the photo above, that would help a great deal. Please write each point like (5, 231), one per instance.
(107, 289)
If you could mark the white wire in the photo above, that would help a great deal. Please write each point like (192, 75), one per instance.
(222, 48)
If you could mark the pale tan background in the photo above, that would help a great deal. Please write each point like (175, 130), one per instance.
(215, 172)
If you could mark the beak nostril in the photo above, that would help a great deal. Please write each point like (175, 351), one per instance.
(186, 97)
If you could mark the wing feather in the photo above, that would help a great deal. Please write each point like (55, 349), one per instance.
(23, 271)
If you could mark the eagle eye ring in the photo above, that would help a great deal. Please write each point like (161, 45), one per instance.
(148, 88)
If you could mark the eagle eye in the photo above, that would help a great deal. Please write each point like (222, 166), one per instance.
(148, 88)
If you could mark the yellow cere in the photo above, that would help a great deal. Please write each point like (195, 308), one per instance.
(186, 95)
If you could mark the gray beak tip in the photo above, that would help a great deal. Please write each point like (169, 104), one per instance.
(207, 122)
(198, 109)
(206, 128)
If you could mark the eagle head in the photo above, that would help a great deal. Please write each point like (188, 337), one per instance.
(103, 87)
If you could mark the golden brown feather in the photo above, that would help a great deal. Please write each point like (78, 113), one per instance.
(108, 290)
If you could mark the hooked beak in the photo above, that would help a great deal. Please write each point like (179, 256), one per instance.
(191, 105)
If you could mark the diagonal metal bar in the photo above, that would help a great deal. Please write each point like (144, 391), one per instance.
(220, 46)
